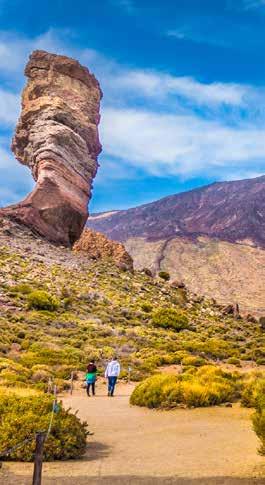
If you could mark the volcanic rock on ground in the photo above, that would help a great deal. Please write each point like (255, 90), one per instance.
(57, 138)
(97, 246)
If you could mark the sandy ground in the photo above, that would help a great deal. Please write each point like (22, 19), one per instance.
(132, 445)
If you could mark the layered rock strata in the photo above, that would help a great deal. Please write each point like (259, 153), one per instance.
(96, 246)
(57, 138)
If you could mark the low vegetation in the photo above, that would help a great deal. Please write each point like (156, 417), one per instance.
(205, 386)
(170, 318)
(21, 416)
(42, 300)
(259, 416)
(164, 275)
(59, 309)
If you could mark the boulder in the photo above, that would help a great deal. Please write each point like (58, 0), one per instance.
(97, 246)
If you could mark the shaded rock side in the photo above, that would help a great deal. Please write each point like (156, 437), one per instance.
(98, 246)
(57, 138)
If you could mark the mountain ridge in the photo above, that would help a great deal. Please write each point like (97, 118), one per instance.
(212, 238)
(224, 210)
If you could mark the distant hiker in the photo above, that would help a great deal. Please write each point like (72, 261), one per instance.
(91, 377)
(112, 373)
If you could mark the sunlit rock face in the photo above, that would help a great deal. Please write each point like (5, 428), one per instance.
(97, 246)
(57, 138)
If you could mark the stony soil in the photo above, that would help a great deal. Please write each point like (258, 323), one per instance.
(131, 445)
(228, 272)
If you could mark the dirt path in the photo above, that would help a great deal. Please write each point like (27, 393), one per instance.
(212, 446)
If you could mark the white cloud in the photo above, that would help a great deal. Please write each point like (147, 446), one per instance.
(15, 179)
(15, 49)
(127, 5)
(249, 4)
(165, 144)
(118, 81)
(160, 123)
(160, 85)
(9, 107)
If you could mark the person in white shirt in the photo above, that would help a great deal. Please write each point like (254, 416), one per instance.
(112, 373)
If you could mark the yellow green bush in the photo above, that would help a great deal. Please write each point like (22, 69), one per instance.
(251, 390)
(206, 386)
(259, 416)
(22, 288)
(21, 417)
(193, 360)
(146, 307)
(234, 361)
(170, 318)
(42, 300)
(164, 275)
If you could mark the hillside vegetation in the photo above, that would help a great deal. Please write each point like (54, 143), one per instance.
(59, 309)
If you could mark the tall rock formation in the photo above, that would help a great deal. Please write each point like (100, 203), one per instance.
(57, 138)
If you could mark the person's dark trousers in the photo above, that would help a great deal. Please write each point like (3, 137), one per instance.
(92, 385)
(111, 384)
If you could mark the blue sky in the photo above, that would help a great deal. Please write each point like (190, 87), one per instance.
(183, 83)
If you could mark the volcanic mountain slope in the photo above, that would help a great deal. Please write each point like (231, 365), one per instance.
(212, 238)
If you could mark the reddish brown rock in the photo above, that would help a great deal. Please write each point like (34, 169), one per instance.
(98, 246)
(57, 138)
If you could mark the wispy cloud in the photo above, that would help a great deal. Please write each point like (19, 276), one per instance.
(160, 123)
(9, 107)
(15, 49)
(225, 32)
(127, 6)
(159, 85)
(250, 4)
(16, 180)
(184, 145)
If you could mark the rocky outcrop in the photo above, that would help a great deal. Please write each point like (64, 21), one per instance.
(57, 138)
(97, 246)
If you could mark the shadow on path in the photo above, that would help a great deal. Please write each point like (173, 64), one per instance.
(95, 451)
(129, 480)
(10, 479)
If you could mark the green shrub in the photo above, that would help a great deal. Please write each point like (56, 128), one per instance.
(42, 300)
(22, 288)
(234, 361)
(192, 360)
(170, 318)
(259, 428)
(253, 388)
(40, 354)
(21, 417)
(262, 323)
(179, 356)
(147, 307)
(259, 416)
(164, 275)
(215, 348)
(206, 386)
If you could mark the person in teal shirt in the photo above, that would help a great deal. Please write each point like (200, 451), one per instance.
(91, 377)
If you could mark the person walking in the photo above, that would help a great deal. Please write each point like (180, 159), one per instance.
(112, 373)
(91, 377)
